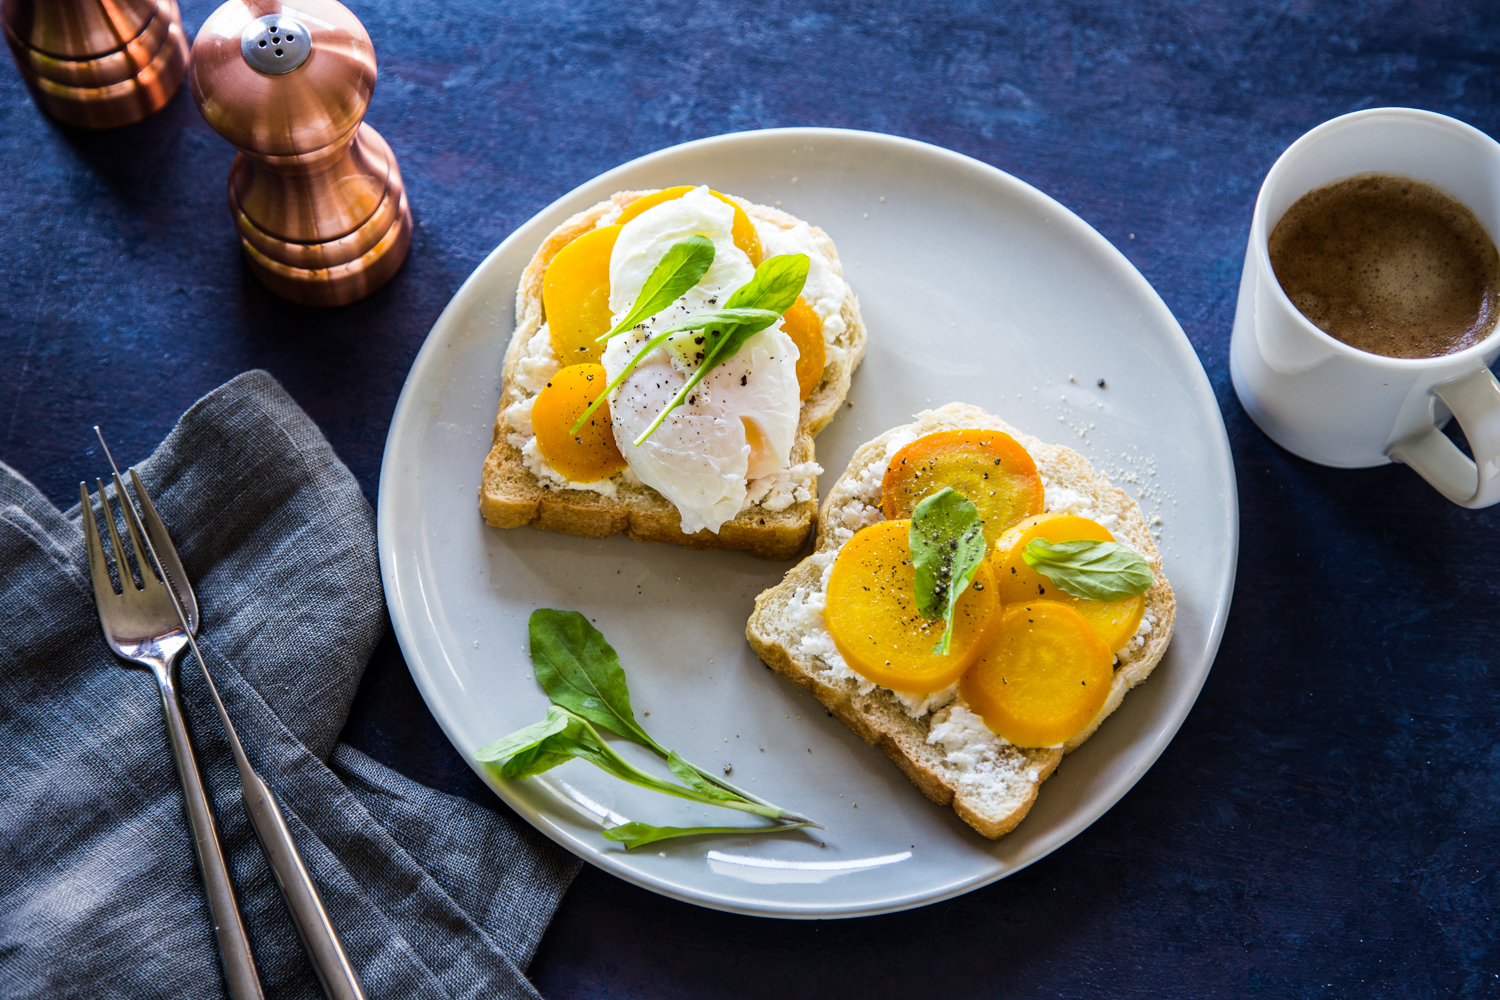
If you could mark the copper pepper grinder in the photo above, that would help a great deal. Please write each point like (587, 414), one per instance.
(97, 63)
(315, 193)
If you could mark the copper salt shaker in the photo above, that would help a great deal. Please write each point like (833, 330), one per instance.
(315, 193)
(97, 63)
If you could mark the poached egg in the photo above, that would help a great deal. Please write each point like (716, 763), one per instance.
(740, 422)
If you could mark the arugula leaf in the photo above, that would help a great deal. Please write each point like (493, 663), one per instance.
(947, 546)
(582, 675)
(630, 366)
(711, 317)
(580, 671)
(1095, 571)
(524, 739)
(689, 776)
(562, 736)
(538, 759)
(680, 268)
(634, 835)
(772, 289)
(775, 285)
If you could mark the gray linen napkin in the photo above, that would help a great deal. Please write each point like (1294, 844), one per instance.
(99, 893)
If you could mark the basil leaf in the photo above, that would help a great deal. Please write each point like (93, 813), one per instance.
(1095, 571)
(524, 739)
(680, 268)
(580, 671)
(773, 288)
(947, 546)
(640, 834)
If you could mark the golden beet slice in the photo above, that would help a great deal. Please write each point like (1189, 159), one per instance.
(872, 615)
(805, 328)
(1042, 676)
(988, 467)
(591, 454)
(575, 296)
(1114, 621)
(742, 232)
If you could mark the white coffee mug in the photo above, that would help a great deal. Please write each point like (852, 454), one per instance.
(1334, 404)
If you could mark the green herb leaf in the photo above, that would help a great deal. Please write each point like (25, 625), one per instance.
(580, 671)
(711, 317)
(772, 290)
(775, 285)
(524, 739)
(634, 835)
(689, 776)
(630, 366)
(947, 546)
(538, 759)
(562, 736)
(680, 268)
(1095, 571)
(582, 675)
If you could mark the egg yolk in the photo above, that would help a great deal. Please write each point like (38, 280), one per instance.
(591, 454)
(805, 328)
(1114, 621)
(1042, 676)
(871, 613)
(988, 467)
(742, 232)
(575, 296)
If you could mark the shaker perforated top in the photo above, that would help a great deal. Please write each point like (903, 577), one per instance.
(275, 44)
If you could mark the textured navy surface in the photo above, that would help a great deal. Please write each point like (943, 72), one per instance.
(1325, 823)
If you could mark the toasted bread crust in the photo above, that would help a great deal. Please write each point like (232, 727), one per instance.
(995, 806)
(511, 496)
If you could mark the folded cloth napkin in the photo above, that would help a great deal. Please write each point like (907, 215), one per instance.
(100, 895)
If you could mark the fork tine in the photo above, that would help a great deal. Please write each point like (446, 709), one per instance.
(98, 568)
(122, 564)
(166, 552)
(142, 556)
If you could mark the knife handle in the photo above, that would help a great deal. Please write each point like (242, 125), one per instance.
(313, 927)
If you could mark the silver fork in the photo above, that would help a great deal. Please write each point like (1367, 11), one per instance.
(142, 624)
(319, 939)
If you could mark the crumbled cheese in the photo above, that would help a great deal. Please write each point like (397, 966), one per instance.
(1064, 500)
(1138, 640)
(825, 289)
(975, 757)
(784, 487)
(523, 437)
(918, 705)
(538, 364)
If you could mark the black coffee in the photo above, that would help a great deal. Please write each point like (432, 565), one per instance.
(1389, 265)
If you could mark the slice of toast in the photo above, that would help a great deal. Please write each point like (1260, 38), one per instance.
(512, 495)
(946, 752)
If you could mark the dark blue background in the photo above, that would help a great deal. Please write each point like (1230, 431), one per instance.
(1324, 824)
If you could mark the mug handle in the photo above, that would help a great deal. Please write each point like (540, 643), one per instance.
(1475, 401)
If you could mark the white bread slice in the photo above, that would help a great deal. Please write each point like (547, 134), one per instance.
(510, 495)
(990, 784)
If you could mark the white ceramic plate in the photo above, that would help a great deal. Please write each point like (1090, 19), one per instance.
(974, 287)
